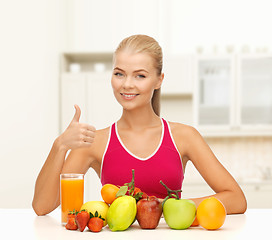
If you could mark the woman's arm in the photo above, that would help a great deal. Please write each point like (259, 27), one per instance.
(46, 194)
(47, 188)
(217, 177)
(76, 137)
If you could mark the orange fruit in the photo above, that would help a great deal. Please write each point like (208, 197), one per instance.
(211, 213)
(195, 223)
(108, 193)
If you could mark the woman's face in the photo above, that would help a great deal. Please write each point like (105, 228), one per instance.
(134, 79)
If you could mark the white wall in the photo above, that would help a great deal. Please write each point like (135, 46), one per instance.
(29, 61)
(99, 25)
(179, 25)
(33, 32)
(212, 23)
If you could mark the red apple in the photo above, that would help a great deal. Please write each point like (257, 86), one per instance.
(149, 211)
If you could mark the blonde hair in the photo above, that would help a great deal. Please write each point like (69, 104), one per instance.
(145, 44)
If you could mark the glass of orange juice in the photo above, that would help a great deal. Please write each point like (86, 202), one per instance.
(71, 193)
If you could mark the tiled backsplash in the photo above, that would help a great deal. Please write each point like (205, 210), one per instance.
(246, 158)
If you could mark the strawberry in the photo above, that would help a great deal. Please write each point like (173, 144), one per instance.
(72, 214)
(82, 219)
(95, 223)
(138, 194)
(71, 223)
(144, 195)
(136, 190)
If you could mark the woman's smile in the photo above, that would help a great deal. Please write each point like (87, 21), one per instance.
(129, 96)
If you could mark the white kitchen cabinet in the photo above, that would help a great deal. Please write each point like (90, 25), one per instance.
(94, 95)
(81, 73)
(177, 88)
(214, 91)
(233, 95)
(255, 105)
(73, 91)
(178, 71)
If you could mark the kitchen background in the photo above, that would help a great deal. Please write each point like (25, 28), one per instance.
(218, 78)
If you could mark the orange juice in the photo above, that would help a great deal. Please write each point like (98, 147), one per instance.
(72, 192)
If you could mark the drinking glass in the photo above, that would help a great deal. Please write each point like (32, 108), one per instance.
(71, 193)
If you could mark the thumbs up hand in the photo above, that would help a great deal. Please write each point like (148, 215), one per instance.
(77, 134)
(77, 114)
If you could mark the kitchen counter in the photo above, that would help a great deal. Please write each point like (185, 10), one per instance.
(18, 223)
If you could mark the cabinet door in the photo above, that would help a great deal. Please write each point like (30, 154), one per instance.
(103, 109)
(214, 91)
(73, 91)
(177, 75)
(256, 90)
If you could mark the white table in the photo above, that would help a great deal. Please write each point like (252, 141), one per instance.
(18, 223)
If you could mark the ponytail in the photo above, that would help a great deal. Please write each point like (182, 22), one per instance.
(156, 101)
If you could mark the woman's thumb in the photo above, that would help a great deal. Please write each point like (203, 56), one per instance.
(77, 114)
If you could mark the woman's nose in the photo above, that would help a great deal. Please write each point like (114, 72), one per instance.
(128, 83)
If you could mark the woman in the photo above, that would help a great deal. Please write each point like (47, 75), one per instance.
(140, 139)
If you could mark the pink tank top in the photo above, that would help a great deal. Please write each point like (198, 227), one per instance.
(164, 164)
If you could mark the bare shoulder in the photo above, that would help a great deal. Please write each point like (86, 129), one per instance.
(185, 137)
(180, 130)
(102, 134)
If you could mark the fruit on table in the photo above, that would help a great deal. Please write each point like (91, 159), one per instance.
(82, 219)
(72, 214)
(121, 213)
(108, 193)
(95, 223)
(131, 190)
(139, 194)
(211, 213)
(99, 206)
(71, 221)
(195, 222)
(149, 211)
(179, 213)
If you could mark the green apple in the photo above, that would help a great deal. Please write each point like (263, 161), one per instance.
(179, 213)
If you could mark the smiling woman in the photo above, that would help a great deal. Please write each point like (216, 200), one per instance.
(134, 78)
(140, 139)
(138, 45)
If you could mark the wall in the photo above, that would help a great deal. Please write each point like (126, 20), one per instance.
(249, 159)
(33, 32)
(181, 26)
(214, 25)
(30, 43)
(100, 25)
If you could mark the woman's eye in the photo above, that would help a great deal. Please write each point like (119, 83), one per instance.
(141, 76)
(118, 74)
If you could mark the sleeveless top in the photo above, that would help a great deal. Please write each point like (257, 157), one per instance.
(164, 164)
